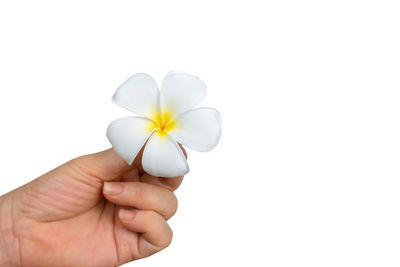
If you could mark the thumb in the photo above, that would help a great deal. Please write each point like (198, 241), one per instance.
(105, 165)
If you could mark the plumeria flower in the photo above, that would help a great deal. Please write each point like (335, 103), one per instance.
(168, 118)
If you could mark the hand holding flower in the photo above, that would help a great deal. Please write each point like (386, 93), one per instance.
(67, 218)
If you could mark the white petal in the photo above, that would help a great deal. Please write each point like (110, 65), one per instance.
(128, 135)
(180, 92)
(139, 94)
(198, 129)
(162, 157)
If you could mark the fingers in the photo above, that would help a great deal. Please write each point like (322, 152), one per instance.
(153, 206)
(155, 232)
(131, 176)
(141, 196)
(169, 183)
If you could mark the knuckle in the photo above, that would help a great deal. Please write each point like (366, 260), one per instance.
(174, 204)
(150, 219)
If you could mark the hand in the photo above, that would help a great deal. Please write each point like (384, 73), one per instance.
(92, 211)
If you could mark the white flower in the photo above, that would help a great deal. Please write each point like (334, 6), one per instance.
(168, 117)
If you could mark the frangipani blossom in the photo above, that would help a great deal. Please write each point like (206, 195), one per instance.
(168, 117)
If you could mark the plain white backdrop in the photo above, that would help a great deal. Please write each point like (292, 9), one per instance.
(307, 169)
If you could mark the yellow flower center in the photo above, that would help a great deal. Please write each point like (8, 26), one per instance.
(163, 122)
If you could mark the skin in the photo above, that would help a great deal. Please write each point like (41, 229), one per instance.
(94, 210)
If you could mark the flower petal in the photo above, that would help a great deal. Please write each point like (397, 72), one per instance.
(138, 94)
(180, 92)
(198, 129)
(162, 157)
(128, 135)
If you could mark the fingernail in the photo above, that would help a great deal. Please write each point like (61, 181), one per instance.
(126, 214)
(112, 188)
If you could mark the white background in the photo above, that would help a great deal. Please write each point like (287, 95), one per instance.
(307, 169)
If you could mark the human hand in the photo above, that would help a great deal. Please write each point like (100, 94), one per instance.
(94, 210)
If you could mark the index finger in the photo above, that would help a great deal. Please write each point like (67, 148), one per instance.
(168, 183)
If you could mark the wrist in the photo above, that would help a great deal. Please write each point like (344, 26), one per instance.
(8, 241)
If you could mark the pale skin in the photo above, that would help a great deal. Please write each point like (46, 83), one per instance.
(94, 210)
